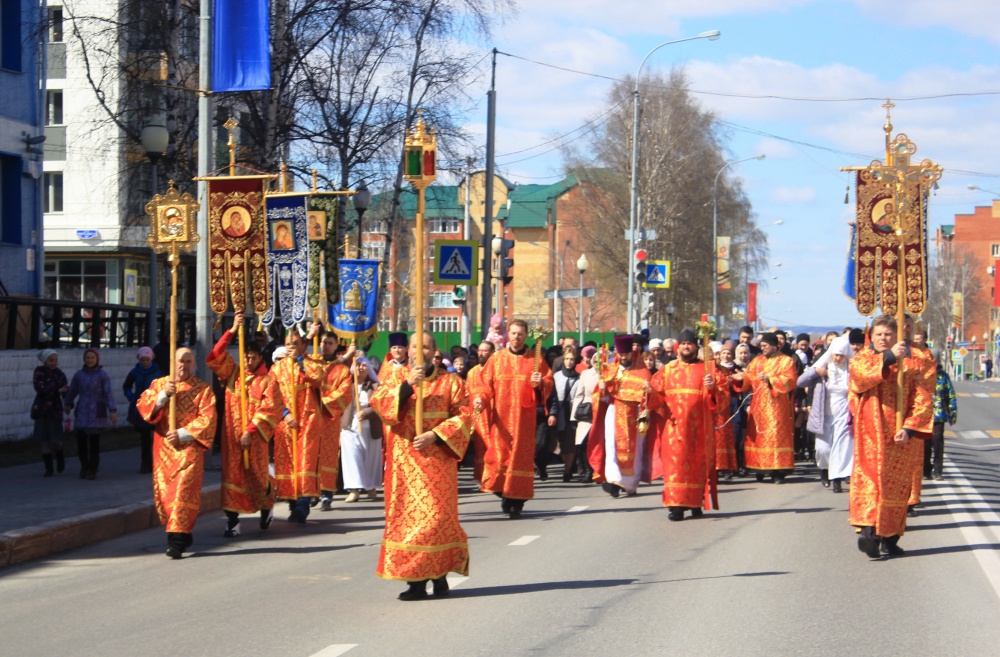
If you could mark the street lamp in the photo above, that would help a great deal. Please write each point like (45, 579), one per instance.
(581, 265)
(362, 197)
(988, 191)
(711, 35)
(155, 140)
(715, 231)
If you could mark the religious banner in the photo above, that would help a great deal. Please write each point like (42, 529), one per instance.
(996, 283)
(957, 304)
(322, 212)
(287, 258)
(850, 271)
(751, 302)
(237, 243)
(722, 263)
(355, 317)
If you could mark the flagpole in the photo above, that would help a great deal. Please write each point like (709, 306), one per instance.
(203, 315)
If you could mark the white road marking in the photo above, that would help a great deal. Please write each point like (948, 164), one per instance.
(335, 650)
(970, 435)
(989, 559)
(577, 509)
(524, 540)
(456, 580)
(980, 394)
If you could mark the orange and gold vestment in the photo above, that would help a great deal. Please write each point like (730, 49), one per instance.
(687, 438)
(336, 392)
(296, 454)
(921, 359)
(246, 489)
(625, 390)
(506, 391)
(423, 538)
(770, 437)
(178, 471)
(725, 440)
(882, 478)
(480, 426)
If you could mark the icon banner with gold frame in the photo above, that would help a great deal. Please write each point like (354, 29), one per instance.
(172, 221)
(237, 243)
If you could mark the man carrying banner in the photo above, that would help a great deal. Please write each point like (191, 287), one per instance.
(178, 463)
(423, 539)
(336, 393)
(247, 486)
(882, 479)
(514, 382)
(770, 438)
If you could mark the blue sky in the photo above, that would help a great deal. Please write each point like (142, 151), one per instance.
(829, 49)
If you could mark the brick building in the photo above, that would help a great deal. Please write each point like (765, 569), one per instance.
(978, 234)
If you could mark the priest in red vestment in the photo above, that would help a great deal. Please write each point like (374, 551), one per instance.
(687, 439)
(882, 478)
(615, 443)
(770, 439)
(423, 540)
(336, 392)
(514, 383)
(178, 460)
(481, 424)
(247, 486)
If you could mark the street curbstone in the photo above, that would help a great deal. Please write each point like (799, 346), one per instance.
(29, 543)
(5, 546)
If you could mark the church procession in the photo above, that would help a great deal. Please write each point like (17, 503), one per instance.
(319, 415)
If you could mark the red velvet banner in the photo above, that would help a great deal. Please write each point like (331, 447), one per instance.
(237, 243)
(751, 302)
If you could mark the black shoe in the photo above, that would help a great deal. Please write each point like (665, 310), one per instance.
(937, 476)
(759, 476)
(676, 514)
(515, 512)
(543, 473)
(868, 542)
(697, 513)
(824, 478)
(91, 475)
(417, 591)
(911, 511)
(890, 547)
(611, 489)
(440, 586)
(60, 461)
(232, 528)
(837, 486)
(313, 502)
(567, 476)
(47, 460)
(266, 517)
(297, 516)
(505, 505)
(174, 553)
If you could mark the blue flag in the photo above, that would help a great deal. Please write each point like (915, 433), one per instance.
(850, 271)
(242, 57)
(356, 316)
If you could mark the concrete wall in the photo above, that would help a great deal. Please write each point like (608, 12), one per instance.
(17, 392)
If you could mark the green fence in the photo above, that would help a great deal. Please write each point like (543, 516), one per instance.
(446, 341)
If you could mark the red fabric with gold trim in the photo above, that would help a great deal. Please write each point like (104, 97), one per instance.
(237, 244)
(336, 392)
(296, 464)
(770, 437)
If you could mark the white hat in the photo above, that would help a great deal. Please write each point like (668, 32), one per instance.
(656, 343)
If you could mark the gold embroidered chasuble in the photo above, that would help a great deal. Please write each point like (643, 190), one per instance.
(725, 440)
(296, 461)
(922, 360)
(480, 426)
(506, 390)
(882, 478)
(687, 437)
(770, 436)
(246, 489)
(178, 471)
(624, 389)
(336, 392)
(423, 538)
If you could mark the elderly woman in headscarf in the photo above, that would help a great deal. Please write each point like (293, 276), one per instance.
(47, 409)
(90, 394)
(143, 374)
(829, 418)
(361, 436)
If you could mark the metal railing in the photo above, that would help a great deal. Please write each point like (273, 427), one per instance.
(29, 323)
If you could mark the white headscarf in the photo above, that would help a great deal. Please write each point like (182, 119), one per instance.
(840, 346)
(361, 358)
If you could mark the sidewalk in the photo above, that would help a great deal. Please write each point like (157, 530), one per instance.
(46, 515)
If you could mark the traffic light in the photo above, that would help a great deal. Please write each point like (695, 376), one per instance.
(506, 263)
(458, 295)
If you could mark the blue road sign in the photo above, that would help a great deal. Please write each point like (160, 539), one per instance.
(456, 262)
(657, 274)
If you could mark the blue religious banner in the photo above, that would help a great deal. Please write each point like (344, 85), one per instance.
(849, 272)
(287, 258)
(355, 317)
(242, 57)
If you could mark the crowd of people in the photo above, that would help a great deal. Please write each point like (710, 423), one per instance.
(690, 410)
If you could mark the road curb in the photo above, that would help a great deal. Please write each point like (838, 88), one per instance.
(20, 545)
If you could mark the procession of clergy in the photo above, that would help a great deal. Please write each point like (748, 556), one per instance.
(645, 426)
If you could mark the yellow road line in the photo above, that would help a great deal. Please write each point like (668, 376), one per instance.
(948, 433)
(963, 394)
(994, 433)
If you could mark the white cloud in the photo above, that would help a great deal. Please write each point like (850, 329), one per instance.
(974, 17)
(792, 195)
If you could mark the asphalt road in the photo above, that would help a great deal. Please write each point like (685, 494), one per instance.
(776, 572)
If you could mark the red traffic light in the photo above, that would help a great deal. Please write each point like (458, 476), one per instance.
(640, 254)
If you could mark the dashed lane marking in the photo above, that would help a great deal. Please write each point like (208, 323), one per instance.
(994, 433)
(335, 650)
(577, 509)
(524, 540)
(948, 433)
(995, 394)
(973, 435)
(963, 394)
(980, 394)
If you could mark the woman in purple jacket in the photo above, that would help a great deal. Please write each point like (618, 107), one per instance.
(90, 389)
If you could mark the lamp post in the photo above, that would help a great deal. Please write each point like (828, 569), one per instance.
(715, 233)
(155, 140)
(988, 191)
(581, 265)
(711, 35)
(362, 197)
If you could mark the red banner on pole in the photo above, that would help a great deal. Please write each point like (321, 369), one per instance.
(751, 302)
(996, 283)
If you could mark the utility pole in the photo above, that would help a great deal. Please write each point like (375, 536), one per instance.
(206, 138)
(466, 328)
(486, 304)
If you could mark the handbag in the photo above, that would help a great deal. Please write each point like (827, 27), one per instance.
(584, 412)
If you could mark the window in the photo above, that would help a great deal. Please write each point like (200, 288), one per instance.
(54, 107)
(10, 35)
(56, 25)
(53, 192)
(995, 250)
(374, 250)
(95, 281)
(384, 324)
(377, 226)
(445, 225)
(444, 324)
(10, 199)
(441, 300)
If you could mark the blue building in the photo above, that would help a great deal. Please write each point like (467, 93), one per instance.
(22, 32)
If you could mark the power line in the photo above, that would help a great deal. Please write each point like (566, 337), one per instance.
(555, 139)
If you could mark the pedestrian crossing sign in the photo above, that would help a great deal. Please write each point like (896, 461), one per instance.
(456, 262)
(657, 274)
